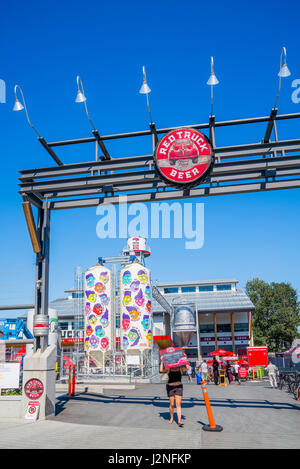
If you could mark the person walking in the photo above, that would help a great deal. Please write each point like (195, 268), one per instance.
(190, 372)
(272, 372)
(215, 366)
(174, 390)
(204, 370)
(236, 368)
(229, 373)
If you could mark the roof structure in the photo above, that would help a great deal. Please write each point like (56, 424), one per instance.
(67, 306)
(208, 302)
(197, 282)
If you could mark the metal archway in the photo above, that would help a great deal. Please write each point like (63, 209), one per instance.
(252, 167)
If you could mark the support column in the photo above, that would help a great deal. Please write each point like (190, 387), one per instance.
(198, 335)
(42, 279)
(232, 332)
(38, 274)
(250, 328)
(216, 332)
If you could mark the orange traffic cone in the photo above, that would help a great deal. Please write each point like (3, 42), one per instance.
(212, 427)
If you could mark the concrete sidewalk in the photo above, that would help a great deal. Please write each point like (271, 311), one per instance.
(252, 415)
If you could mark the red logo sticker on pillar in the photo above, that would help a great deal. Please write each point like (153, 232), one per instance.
(34, 388)
(184, 157)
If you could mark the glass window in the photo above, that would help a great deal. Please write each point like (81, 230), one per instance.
(63, 325)
(223, 327)
(206, 288)
(188, 289)
(207, 328)
(241, 327)
(223, 287)
(171, 290)
(78, 295)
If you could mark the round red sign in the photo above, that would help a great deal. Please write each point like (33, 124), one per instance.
(184, 157)
(34, 388)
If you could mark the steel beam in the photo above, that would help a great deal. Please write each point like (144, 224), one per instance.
(87, 167)
(106, 155)
(270, 125)
(138, 162)
(229, 171)
(251, 120)
(178, 194)
(50, 151)
(241, 168)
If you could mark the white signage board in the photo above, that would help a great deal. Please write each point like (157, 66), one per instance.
(9, 375)
(133, 360)
(32, 411)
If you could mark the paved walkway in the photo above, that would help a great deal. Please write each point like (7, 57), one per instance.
(253, 416)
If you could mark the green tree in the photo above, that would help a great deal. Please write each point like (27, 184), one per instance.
(277, 313)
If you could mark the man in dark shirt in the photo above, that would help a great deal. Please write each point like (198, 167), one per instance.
(216, 371)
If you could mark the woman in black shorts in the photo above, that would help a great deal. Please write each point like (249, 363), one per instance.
(174, 390)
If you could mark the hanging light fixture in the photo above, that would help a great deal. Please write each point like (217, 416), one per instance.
(81, 98)
(212, 81)
(283, 72)
(18, 106)
(146, 90)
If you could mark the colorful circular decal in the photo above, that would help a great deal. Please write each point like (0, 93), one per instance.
(104, 343)
(184, 157)
(99, 287)
(98, 309)
(94, 341)
(34, 388)
(90, 280)
(99, 331)
(104, 277)
(92, 319)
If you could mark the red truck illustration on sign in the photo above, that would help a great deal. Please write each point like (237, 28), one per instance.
(184, 157)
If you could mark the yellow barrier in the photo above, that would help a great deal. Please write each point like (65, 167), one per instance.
(256, 373)
(222, 378)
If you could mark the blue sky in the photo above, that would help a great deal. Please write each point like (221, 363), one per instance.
(44, 48)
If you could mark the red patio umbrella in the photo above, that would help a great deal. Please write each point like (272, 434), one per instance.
(231, 358)
(220, 352)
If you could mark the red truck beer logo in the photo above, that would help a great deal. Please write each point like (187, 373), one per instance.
(34, 388)
(184, 157)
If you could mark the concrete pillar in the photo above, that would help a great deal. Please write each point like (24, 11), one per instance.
(250, 328)
(40, 365)
(232, 332)
(199, 337)
(216, 331)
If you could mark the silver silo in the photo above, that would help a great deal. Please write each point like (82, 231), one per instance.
(184, 320)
